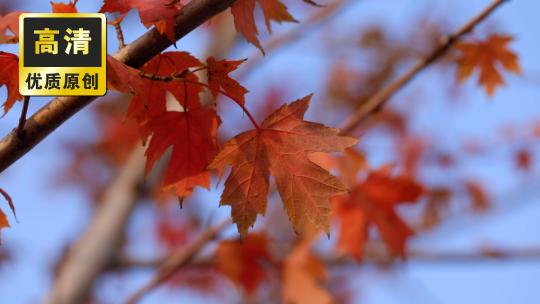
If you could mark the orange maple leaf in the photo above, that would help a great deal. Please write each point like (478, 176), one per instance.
(158, 13)
(280, 146)
(10, 22)
(192, 135)
(242, 261)
(244, 21)
(58, 7)
(218, 76)
(373, 202)
(302, 275)
(9, 76)
(486, 56)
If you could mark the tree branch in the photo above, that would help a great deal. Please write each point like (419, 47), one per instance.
(57, 111)
(95, 249)
(177, 260)
(379, 99)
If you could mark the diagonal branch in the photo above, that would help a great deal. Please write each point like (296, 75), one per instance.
(58, 110)
(379, 99)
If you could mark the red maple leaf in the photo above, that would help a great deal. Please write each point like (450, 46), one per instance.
(192, 135)
(244, 20)
(218, 77)
(280, 146)
(373, 202)
(158, 13)
(9, 76)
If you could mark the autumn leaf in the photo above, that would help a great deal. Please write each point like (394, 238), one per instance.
(275, 10)
(4, 223)
(192, 135)
(373, 202)
(218, 77)
(159, 13)
(150, 98)
(487, 57)
(523, 159)
(121, 77)
(479, 197)
(303, 274)
(10, 22)
(280, 147)
(9, 76)
(59, 7)
(242, 261)
(244, 21)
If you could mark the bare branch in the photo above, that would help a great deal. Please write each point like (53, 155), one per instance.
(95, 249)
(379, 99)
(177, 260)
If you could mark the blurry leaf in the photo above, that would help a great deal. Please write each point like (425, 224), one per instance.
(9, 22)
(487, 57)
(478, 194)
(523, 159)
(159, 13)
(59, 7)
(3, 218)
(242, 261)
(303, 276)
(373, 202)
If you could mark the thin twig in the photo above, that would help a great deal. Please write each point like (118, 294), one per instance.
(177, 260)
(22, 119)
(379, 99)
(378, 258)
(119, 33)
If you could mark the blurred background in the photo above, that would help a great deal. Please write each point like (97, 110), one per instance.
(476, 239)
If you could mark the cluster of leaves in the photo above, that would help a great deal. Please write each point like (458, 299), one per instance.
(169, 113)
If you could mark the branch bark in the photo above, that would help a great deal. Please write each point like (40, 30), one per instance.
(99, 244)
(379, 99)
(58, 110)
(170, 265)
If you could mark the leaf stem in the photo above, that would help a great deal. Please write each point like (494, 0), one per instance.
(240, 104)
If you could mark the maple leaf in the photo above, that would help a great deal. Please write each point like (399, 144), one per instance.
(244, 21)
(192, 135)
(218, 77)
(158, 13)
(59, 7)
(9, 76)
(479, 197)
(275, 10)
(373, 202)
(280, 147)
(4, 223)
(150, 98)
(242, 260)
(10, 22)
(486, 56)
(302, 274)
